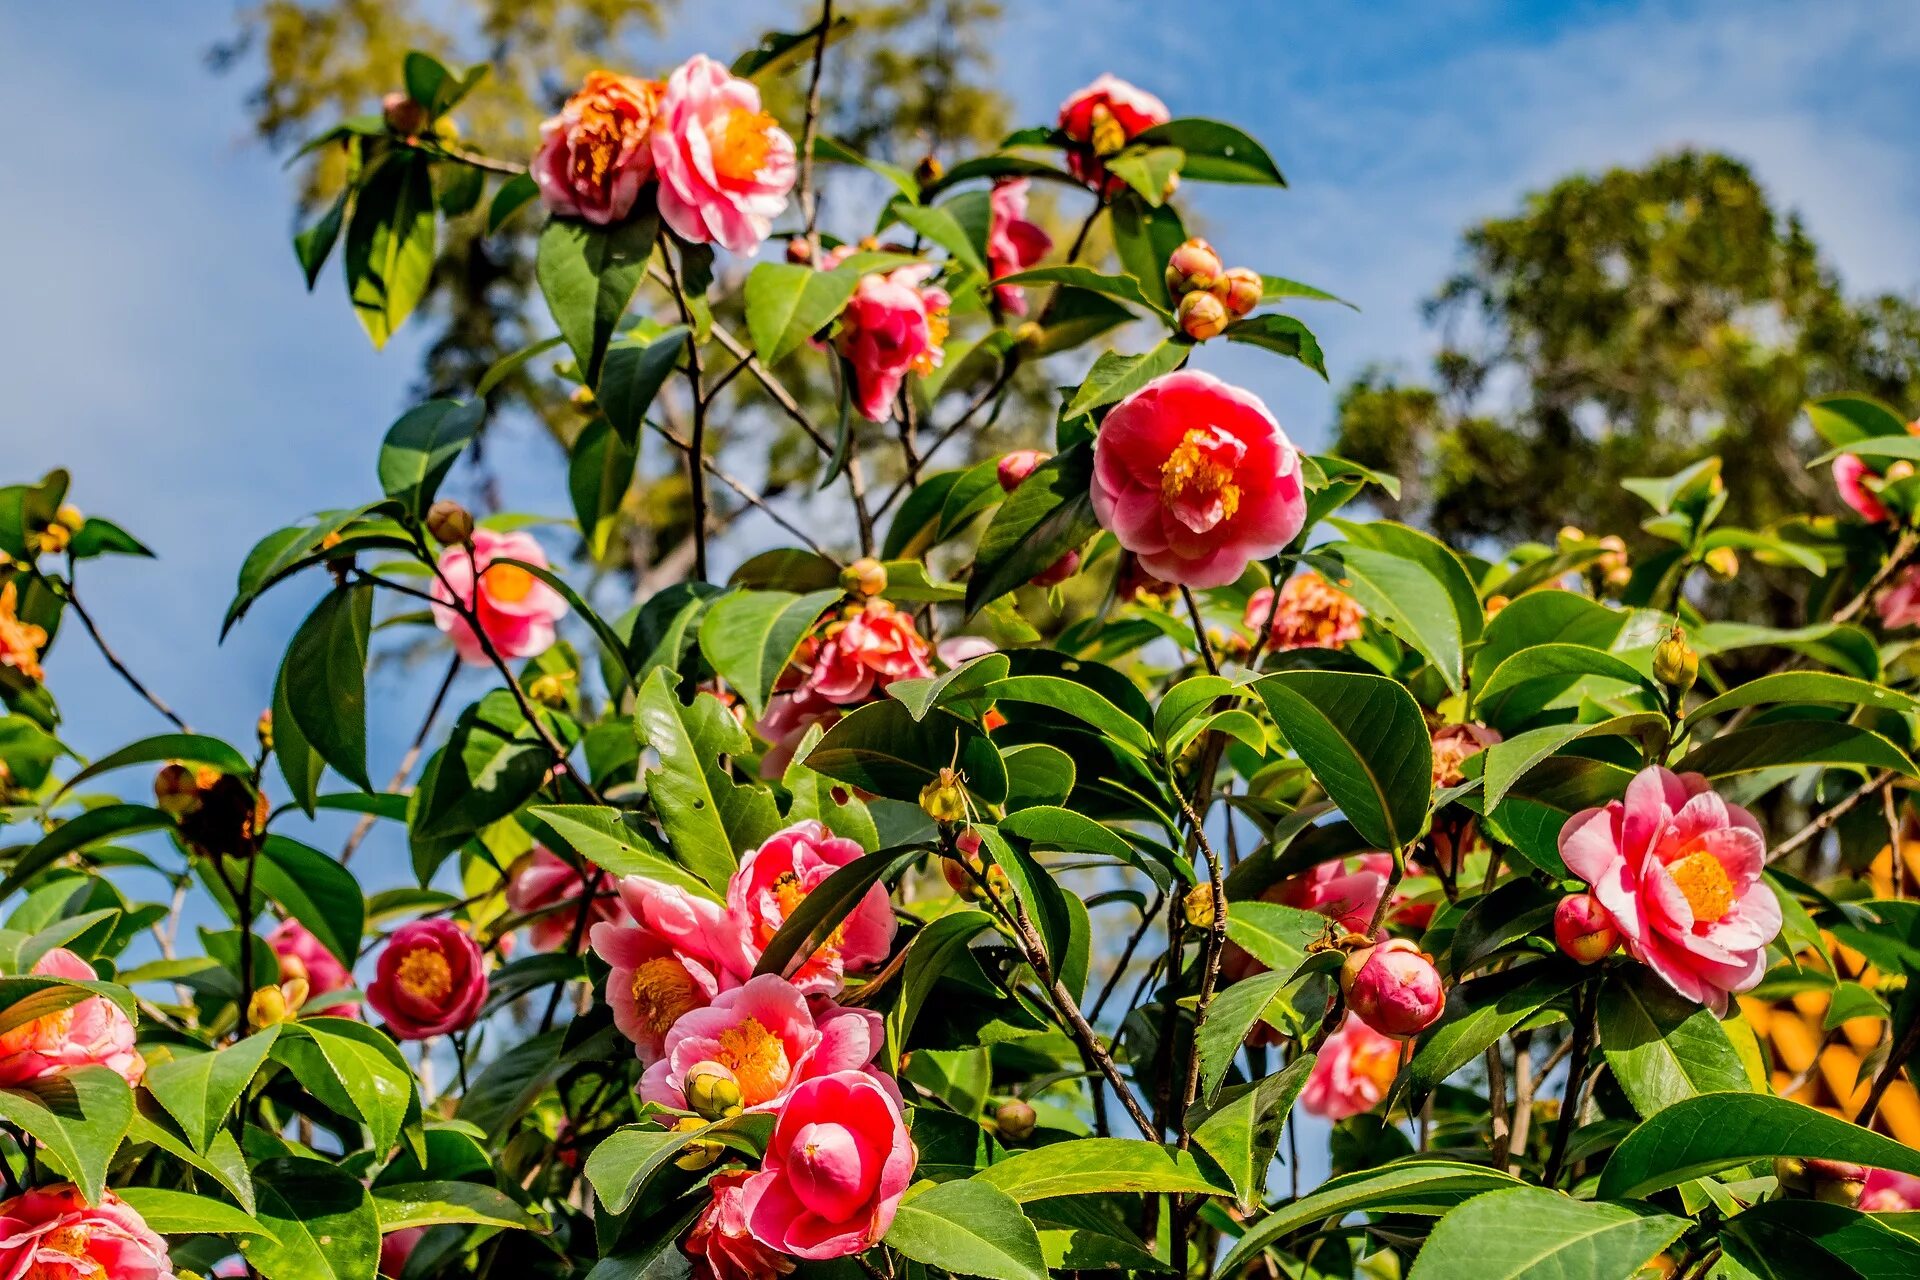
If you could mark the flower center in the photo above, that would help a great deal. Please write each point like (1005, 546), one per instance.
(425, 974)
(1708, 888)
(663, 990)
(757, 1059)
(1197, 481)
(937, 329)
(1376, 1062)
(20, 642)
(741, 143)
(69, 1243)
(508, 583)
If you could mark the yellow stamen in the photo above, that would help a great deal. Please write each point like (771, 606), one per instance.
(507, 583)
(1706, 884)
(741, 143)
(663, 990)
(757, 1059)
(1377, 1062)
(71, 1244)
(1188, 469)
(424, 974)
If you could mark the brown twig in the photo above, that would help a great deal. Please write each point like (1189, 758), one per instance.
(1831, 814)
(697, 436)
(66, 589)
(809, 205)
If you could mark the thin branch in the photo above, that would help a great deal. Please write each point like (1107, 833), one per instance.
(746, 494)
(697, 437)
(810, 131)
(1582, 1048)
(1831, 814)
(1200, 631)
(72, 597)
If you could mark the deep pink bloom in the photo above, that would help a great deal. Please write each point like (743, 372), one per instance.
(396, 1247)
(1583, 929)
(666, 961)
(1101, 119)
(1850, 476)
(894, 324)
(1355, 1069)
(835, 1169)
(720, 1245)
(773, 880)
(304, 956)
(773, 1040)
(96, 1032)
(1197, 479)
(1454, 745)
(540, 880)
(956, 651)
(52, 1233)
(1899, 605)
(870, 648)
(1890, 1192)
(1311, 614)
(516, 610)
(1013, 242)
(430, 980)
(1015, 467)
(1678, 870)
(598, 152)
(1393, 987)
(725, 166)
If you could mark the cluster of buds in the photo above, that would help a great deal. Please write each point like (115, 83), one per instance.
(218, 814)
(1393, 987)
(1209, 296)
(966, 871)
(57, 534)
(1611, 566)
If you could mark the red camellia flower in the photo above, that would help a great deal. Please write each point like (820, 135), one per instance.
(430, 980)
(1311, 614)
(770, 884)
(302, 955)
(1393, 988)
(1677, 869)
(666, 960)
(721, 1246)
(516, 610)
(540, 880)
(1197, 479)
(1355, 1069)
(725, 166)
(1013, 242)
(96, 1032)
(396, 1247)
(598, 152)
(52, 1233)
(1101, 119)
(835, 1169)
(894, 324)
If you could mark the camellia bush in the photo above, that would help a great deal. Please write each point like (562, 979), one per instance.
(1119, 855)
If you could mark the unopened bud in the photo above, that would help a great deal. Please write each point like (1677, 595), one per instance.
(549, 690)
(1198, 906)
(1240, 288)
(928, 171)
(263, 729)
(712, 1090)
(1015, 467)
(1570, 535)
(1899, 471)
(582, 398)
(175, 791)
(800, 251)
(267, 1008)
(1723, 563)
(1029, 335)
(1202, 316)
(1058, 572)
(69, 517)
(450, 523)
(1496, 603)
(1393, 988)
(403, 115)
(1584, 929)
(1832, 1181)
(864, 577)
(296, 989)
(1015, 1120)
(1675, 664)
(944, 798)
(699, 1153)
(1192, 267)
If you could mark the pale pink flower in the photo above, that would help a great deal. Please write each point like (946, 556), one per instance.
(1355, 1069)
(542, 881)
(52, 1233)
(517, 611)
(666, 961)
(1013, 242)
(835, 1169)
(302, 955)
(1899, 605)
(598, 152)
(769, 886)
(725, 165)
(1311, 615)
(894, 324)
(96, 1032)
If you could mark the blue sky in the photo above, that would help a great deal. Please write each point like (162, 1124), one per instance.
(161, 344)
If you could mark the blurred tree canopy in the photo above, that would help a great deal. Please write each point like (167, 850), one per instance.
(1626, 325)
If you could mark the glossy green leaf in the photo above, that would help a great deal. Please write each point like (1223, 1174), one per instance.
(1242, 1132)
(1282, 334)
(1114, 376)
(599, 835)
(1810, 742)
(322, 1222)
(632, 377)
(750, 637)
(181, 1213)
(1090, 1166)
(628, 1158)
(787, 303)
(79, 1115)
(709, 818)
(828, 904)
(1215, 152)
(353, 1069)
(1365, 740)
(881, 748)
(391, 242)
(199, 1089)
(969, 1227)
(325, 671)
(1050, 514)
(1531, 1233)
(589, 274)
(422, 447)
(1479, 1012)
(1663, 1048)
(425, 1204)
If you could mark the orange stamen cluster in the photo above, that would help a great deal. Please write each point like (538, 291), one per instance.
(424, 974)
(1189, 470)
(757, 1059)
(1705, 883)
(741, 144)
(20, 642)
(663, 991)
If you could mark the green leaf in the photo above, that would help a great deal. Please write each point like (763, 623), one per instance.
(1366, 742)
(968, 1228)
(189, 748)
(633, 376)
(104, 823)
(1114, 377)
(181, 1213)
(1561, 665)
(628, 1158)
(1242, 1133)
(1120, 288)
(787, 303)
(1274, 934)
(1279, 288)
(1842, 646)
(1792, 1239)
(494, 762)
(515, 194)
(1810, 742)
(1509, 761)
(199, 1089)
(326, 680)
(223, 1161)
(1050, 514)
(422, 447)
(1091, 1166)
(1419, 1185)
(921, 694)
(99, 537)
(1530, 1233)
(750, 637)
(825, 148)
(353, 1069)
(1703, 1135)
(1479, 1012)
(1215, 152)
(1282, 334)
(589, 274)
(315, 890)
(1807, 686)
(426, 1204)
(938, 224)
(598, 835)
(391, 241)
(314, 245)
(599, 473)
(708, 817)
(1148, 170)
(1844, 419)
(881, 748)
(1080, 701)
(322, 1222)
(79, 1115)
(929, 955)
(300, 765)
(1663, 1048)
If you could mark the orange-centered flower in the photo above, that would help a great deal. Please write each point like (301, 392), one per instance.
(757, 1059)
(1705, 883)
(71, 1244)
(20, 642)
(425, 973)
(1197, 478)
(662, 991)
(507, 583)
(741, 140)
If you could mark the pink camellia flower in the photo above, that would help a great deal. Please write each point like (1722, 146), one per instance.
(1850, 476)
(1015, 467)
(835, 1169)
(1346, 895)
(52, 1233)
(1197, 479)
(955, 651)
(517, 610)
(96, 1032)
(1890, 1192)
(1453, 745)
(1583, 929)
(771, 1038)
(1355, 1069)
(1393, 987)
(1311, 614)
(396, 1247)
(868, 649)
(1100, 120)
(302, 955)
(1013, 243)
(666, 961)
(1678, 871)
(770, 884)
(894, 324)
(1899, 605)
(540, 880)
(725, 166)
(430, 980)
(721, 1246)
(597, 153)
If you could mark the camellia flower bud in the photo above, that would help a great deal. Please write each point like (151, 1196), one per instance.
(1192, 267)
(1393, 988)
(1202, 316)
(1017, 466)
(1240, 288)
(450, 523)
(712, 1090)
(928, 171)
(1058, 572)
(269, 1007)
(69, 517)
(799, 251)
(175, 790)
(1015, 1120)
(263, 729)
(865, 576)
(549, 689)
(1198, 906)
(1675, 664)
(1723, 563)
(701, 1152)
(1831, 1181)
(944, 798)
(1583, 928)
(402, 114)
